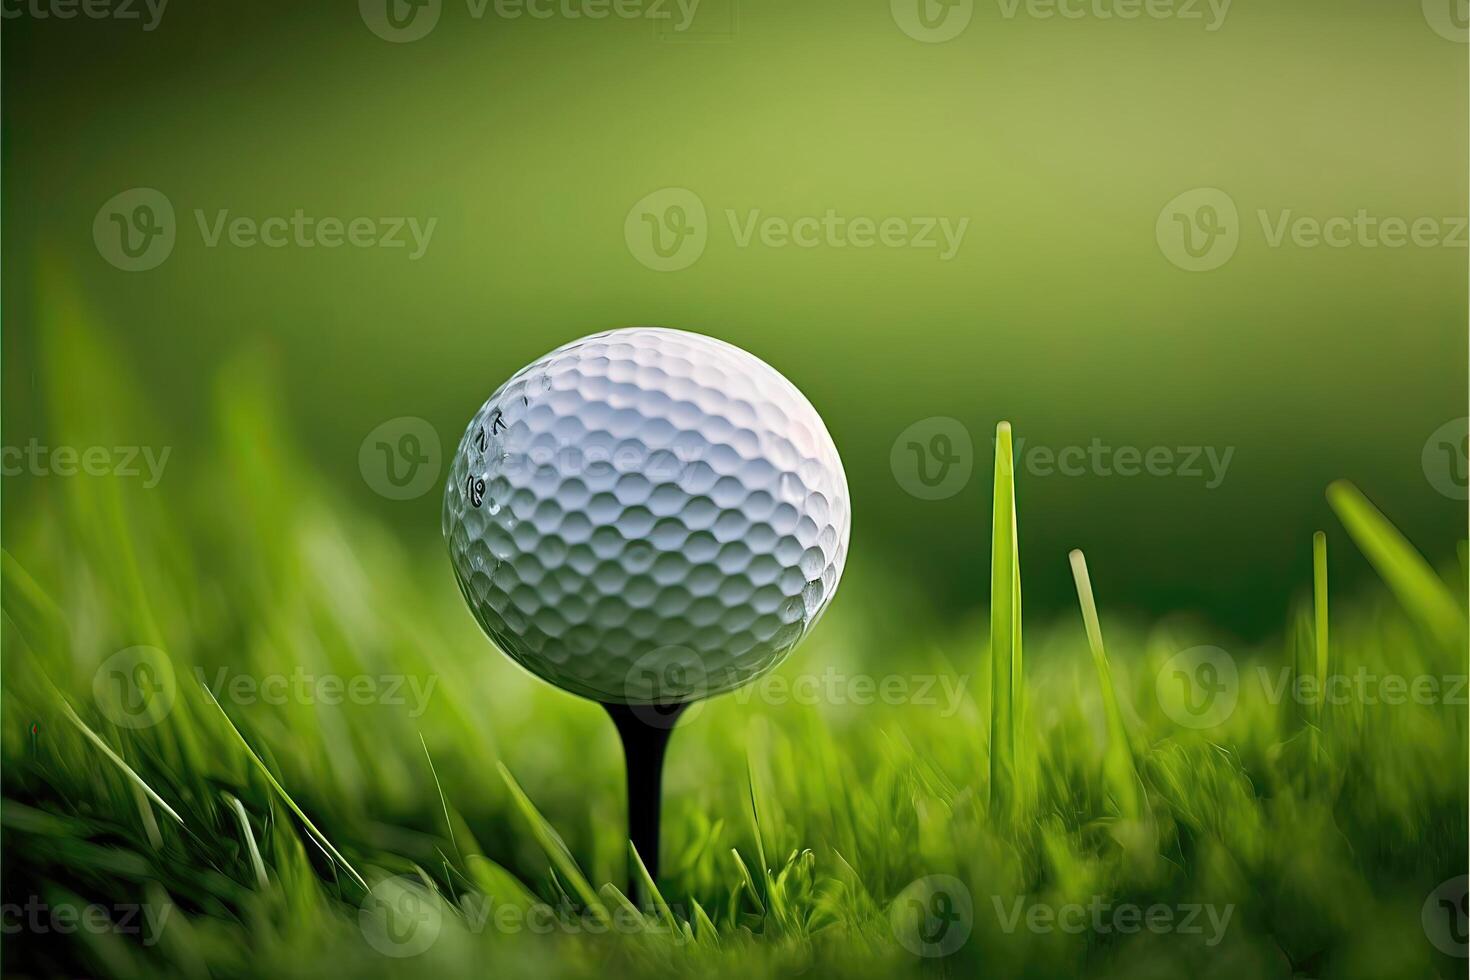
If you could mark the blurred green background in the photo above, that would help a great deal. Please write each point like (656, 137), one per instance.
(528, 140)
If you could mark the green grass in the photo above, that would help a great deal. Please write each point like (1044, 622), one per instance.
(795, 834)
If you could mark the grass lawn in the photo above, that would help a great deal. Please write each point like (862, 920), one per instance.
(362, 785)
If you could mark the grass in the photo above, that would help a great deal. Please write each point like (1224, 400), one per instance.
(237, 836)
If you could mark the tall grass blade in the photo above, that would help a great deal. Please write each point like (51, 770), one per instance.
(118, 761)
(1003, 580)
(1121, 771)
(270, 778)
(34, 613)
(551, 842)
(262, 881)
(1319, 638)
(650, 888)
(443, 801)
(1420, 590)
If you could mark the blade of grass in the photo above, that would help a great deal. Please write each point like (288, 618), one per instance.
(34, 613)
(1122, 772)
(270, 778)
(551, 842)
(704, 927)
(118, 761)
(748, 880)
(443, 802)
(150, 822)
(1407, 573)
(1003, 577)
(651, 889)
(256, 863)
(1319, 637)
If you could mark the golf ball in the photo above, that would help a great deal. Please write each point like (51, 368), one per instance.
(647, 516)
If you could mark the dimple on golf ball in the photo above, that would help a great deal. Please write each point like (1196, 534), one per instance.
(647, 516)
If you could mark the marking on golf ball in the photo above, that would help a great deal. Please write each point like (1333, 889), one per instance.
(474, 488)
(647, 490)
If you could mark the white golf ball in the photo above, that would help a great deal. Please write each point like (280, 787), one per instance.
(647, 516)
